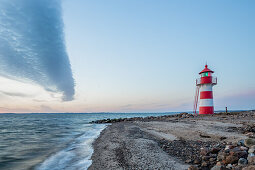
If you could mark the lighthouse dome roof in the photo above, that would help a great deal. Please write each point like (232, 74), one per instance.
(206, 69)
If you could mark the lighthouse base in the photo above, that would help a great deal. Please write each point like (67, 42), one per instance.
(206, 110)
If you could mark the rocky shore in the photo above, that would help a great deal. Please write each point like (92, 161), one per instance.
(150, 118)
(181, 141)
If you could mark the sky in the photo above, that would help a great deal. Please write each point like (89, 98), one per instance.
(126, 56)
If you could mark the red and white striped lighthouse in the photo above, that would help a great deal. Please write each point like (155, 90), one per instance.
(204, 85)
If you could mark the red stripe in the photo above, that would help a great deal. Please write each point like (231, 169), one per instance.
(206, 80)
(206, 95)
(206, 110)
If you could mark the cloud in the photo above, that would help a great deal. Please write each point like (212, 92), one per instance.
(32, 46)
(14, 94)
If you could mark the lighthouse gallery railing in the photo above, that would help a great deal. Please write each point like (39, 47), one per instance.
(214, 81)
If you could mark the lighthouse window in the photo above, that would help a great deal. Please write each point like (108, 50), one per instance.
(205, 74)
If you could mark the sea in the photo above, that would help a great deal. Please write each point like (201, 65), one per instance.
(52, 141)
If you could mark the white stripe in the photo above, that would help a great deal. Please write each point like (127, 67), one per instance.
(205, 102)
(206, 87)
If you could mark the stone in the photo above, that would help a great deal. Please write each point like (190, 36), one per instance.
(237, 167)
(251, 167)
(240, 143)
(204, 164)
(239, 154)
(188, 161)
(212, 159)
(221, 156)
(219, 163)
(231, 159)
(250, 155)
(204, 151)
(249, 142)
(193, 168)
(242, 161)
(213, 155)
(235, 149)
(251, 150)
(197, 161)
(227, 147)
(227, 150)
(214, 150)
(206, 158)
(223, 137)
(251, 160)
(250, 134)
(229, 166)
(243, 148)
(219, 167)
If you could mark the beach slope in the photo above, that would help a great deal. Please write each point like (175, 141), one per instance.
(171, 142)
(126, 146)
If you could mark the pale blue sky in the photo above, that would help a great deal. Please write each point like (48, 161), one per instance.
(147, 54)
(144, 56)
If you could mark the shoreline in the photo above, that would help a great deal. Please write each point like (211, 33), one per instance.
(178, 141)
(67, 152)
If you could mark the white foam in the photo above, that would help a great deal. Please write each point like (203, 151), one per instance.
(77, 155)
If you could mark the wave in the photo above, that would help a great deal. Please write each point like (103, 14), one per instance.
(77, 155)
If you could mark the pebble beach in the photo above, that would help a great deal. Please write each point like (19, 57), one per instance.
(180, 141)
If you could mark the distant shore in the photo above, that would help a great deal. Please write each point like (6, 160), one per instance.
(181, 141)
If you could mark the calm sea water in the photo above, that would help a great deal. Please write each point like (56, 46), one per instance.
(51, 141)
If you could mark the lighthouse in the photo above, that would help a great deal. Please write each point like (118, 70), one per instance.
(205, 90)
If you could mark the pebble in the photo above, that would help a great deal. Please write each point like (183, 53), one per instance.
(229, 166)
(218, 167)
(197, 161)
(242, 161)
(221, 156)
(240, 143)
(251, 159)
(239, 154)
(204, 164)
(204, 151)
(231, 159)
(243, 148)
(229, 155)
(215, 150)
(227, 147)
(250, 134)
(206, 158)
(251, 149)
(212, 159)
(251, 155)
(219, 163)
(251, 167)
(188, 161)
(249, 142)
(193, 168)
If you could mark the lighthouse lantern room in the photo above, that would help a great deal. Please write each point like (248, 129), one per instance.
(204, 86)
